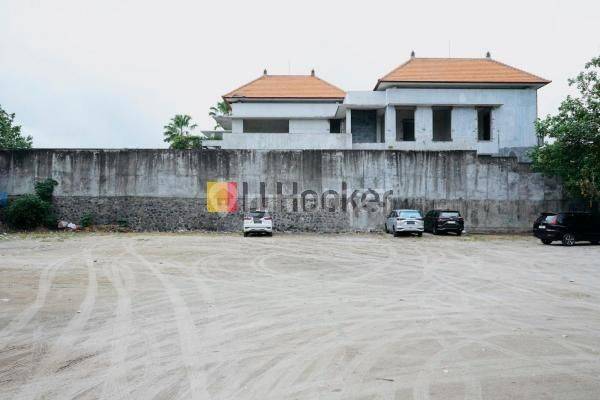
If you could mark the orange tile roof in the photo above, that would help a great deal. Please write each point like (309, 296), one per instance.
(459, 70)
(287, 87)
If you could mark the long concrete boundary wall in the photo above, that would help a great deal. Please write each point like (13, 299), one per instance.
(317, 190)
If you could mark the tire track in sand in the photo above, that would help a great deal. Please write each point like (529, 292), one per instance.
(188, 338)
(116, 380)
(43, 379)
(19, 322)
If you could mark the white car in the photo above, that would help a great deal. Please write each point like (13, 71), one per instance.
(258, 222)
(410, 221)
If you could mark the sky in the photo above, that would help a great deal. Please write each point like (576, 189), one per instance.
(111, 73)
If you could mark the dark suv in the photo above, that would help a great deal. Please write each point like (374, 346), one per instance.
(437, 221)
(568, 227)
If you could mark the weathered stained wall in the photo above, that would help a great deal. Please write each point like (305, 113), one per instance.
(165, 189)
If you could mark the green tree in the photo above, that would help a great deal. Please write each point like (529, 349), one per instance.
(10, 135)
(221, 108)
(571, 138)
(178, 133)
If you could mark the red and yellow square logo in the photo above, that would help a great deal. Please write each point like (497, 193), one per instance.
(221, 197)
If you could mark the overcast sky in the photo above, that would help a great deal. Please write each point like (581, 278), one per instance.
(111, 73)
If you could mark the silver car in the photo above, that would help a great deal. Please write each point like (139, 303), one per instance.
(409, 221)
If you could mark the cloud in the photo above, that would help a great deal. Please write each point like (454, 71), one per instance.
(111, 73)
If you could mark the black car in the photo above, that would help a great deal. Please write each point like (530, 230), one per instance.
(437, 221)
(568, 227)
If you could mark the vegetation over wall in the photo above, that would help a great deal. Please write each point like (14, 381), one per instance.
(33, 210)
(571, 148)
(10, 134)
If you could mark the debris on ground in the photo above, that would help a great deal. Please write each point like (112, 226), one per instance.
(67, 225)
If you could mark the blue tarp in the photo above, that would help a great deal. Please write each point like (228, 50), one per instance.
(3, 199)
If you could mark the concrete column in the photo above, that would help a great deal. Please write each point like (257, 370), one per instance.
(390, 125)
(464, 127)
(237, 125)
(348, 120)
(423, 125)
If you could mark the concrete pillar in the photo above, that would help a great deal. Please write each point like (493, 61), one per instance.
(348, 120)
(390, 125)
(423, 125)
(237, 125)
(464, 127)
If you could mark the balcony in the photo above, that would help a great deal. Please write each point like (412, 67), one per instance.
(281, 141)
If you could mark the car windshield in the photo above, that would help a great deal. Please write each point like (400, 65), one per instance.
(449, 214)
(257, 214)
(549, 218)
(410, 214)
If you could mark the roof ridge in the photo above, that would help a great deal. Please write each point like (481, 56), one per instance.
(403, 69)
(230, 94)
(396, 69)
(520, 70)
(327, 83)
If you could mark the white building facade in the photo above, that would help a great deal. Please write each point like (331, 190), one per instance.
(424, 104)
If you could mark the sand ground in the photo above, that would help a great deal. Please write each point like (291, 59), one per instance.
(216, 316)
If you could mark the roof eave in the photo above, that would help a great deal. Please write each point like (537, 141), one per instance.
(234, 99)
(537, 84)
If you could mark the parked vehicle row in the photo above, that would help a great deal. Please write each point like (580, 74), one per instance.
(435, 221)
(567, 227)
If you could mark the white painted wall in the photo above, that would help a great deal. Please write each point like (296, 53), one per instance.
(309, 126)
(284, 110)
(237, 125)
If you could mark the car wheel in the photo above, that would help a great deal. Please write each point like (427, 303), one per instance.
(594, 242)
(434, 231)
(546, 241)
(568, 239)
(420, 234)
(270, 234)
(245, 234)
(385, 228)
(458, 233)
(395, 232)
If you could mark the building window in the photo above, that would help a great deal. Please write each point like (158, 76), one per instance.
(364, 126)
(442, 124)
(405, 124)
(260, 125)
(484, 123)
(335, 126)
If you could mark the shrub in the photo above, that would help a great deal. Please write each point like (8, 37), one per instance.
(28, 212)
(86, 220)
(45, 189)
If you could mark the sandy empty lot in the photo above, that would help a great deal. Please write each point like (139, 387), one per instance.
(200, 316)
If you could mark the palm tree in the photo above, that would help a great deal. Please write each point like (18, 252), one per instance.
(221, 108)
(178, 133)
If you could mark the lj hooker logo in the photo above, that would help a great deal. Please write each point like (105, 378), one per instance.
(221, 197)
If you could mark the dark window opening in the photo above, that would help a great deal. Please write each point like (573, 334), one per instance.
(266, 125)
(405, 124)
(364, 126)
(442, 124)
(484, 124)
(335, 126)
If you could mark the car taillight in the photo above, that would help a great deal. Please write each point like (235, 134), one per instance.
(267, 218)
